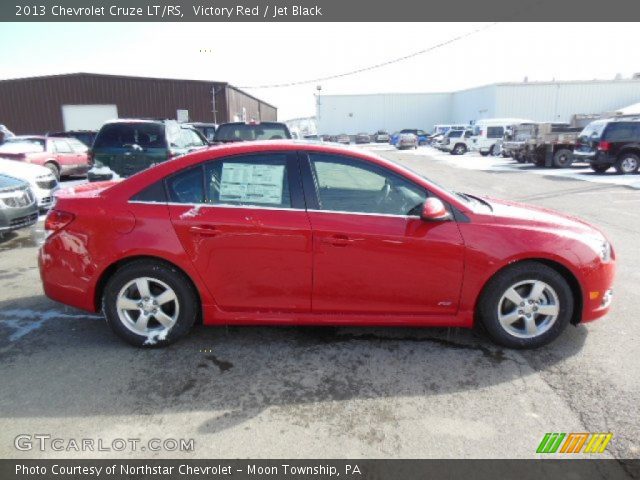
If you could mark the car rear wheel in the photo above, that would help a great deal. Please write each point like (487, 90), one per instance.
(563, 158)
(54, 169)
(627, 163)
(527, 305)
(459, 149)
(600, 168)
(149, 304)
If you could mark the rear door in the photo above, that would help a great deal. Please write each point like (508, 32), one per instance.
(242, 222)
(65, 155)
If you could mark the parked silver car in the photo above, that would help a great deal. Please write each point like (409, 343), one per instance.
(18, 205)
(407, 140)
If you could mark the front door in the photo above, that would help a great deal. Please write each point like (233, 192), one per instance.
(372, 252)
(243, 224)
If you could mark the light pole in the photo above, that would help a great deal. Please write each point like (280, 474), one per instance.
(319, 89)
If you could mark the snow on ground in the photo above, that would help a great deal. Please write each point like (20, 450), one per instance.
(475, 161)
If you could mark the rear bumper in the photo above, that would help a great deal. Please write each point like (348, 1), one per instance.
(594, 158)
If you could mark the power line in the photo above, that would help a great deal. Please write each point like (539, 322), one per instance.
(378, 65)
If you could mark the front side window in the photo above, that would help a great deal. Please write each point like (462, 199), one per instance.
(260, 180)
(347, 184)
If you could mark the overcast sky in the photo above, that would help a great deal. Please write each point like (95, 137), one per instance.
(247, 54)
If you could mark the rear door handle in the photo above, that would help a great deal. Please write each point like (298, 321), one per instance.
(338, 240)
(203, 230)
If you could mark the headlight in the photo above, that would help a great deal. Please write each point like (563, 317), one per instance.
(605, 251)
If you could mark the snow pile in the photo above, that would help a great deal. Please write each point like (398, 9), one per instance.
(103, 171)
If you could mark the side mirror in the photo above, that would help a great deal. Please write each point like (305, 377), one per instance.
(434, 210)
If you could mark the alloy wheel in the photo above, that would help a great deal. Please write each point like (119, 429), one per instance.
(528, 309)
(629, 165)
(147, 305)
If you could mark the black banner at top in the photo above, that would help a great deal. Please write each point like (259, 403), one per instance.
(315, 10)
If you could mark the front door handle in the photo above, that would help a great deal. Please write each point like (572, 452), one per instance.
(204, 230)
(338, 240)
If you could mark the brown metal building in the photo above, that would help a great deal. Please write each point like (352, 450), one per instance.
(38, 105)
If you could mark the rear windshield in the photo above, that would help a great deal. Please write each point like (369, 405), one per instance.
(22, 145)
(593, 131)
(241, 132)
(146, 135)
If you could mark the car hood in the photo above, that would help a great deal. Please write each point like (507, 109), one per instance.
(514, 213)
(23, 170)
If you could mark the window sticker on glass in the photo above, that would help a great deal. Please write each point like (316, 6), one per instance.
(245, 182)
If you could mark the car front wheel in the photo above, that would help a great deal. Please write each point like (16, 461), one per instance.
(149, 303)
(527, 305)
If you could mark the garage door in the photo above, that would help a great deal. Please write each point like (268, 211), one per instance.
(87, 117)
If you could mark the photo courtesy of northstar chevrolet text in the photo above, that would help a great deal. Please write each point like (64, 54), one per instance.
(307, 240)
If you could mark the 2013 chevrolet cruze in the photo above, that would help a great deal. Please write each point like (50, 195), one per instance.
(294, 233)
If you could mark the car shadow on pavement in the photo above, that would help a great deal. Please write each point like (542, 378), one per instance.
(61, 362)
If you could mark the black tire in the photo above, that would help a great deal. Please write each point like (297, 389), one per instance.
(459, 149)
(563, 158)
(490, 302)
(187, 302)
(484, 154)
(54, 169)
(519, 158)
(600, 168)
(627, 163)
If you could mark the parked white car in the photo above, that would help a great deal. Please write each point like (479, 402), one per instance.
(43, 183)
(456, 142)
(487, 132)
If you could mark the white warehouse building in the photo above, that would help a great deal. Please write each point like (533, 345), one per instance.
(537, 101)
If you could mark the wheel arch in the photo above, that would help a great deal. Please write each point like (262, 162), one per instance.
(115, 266)
(567, 274)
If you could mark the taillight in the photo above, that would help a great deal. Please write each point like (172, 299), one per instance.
(604, 146)
(91, 158)
(57, 220)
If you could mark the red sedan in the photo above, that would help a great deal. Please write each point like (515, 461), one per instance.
(285, 233)
(63, 156)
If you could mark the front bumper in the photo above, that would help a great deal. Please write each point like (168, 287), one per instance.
(598, 291)
(16, 218)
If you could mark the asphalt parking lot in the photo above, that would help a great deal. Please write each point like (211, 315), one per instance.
(331, 392)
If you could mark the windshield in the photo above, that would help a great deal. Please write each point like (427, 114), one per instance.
(593, 131)
(22, 145)
(242, 132)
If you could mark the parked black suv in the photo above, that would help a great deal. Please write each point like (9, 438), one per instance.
(610, 142)
(247, 132)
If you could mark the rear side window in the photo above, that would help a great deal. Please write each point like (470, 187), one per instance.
(495, 132)
(62, 146)
(118, 135)
(622, 132)
(260, 180)
(77, 145)
(186, 186)
(154, 193)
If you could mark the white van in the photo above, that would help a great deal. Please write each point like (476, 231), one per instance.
(488, 131)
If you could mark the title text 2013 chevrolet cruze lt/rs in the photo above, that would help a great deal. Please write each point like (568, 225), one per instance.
(289, 233)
